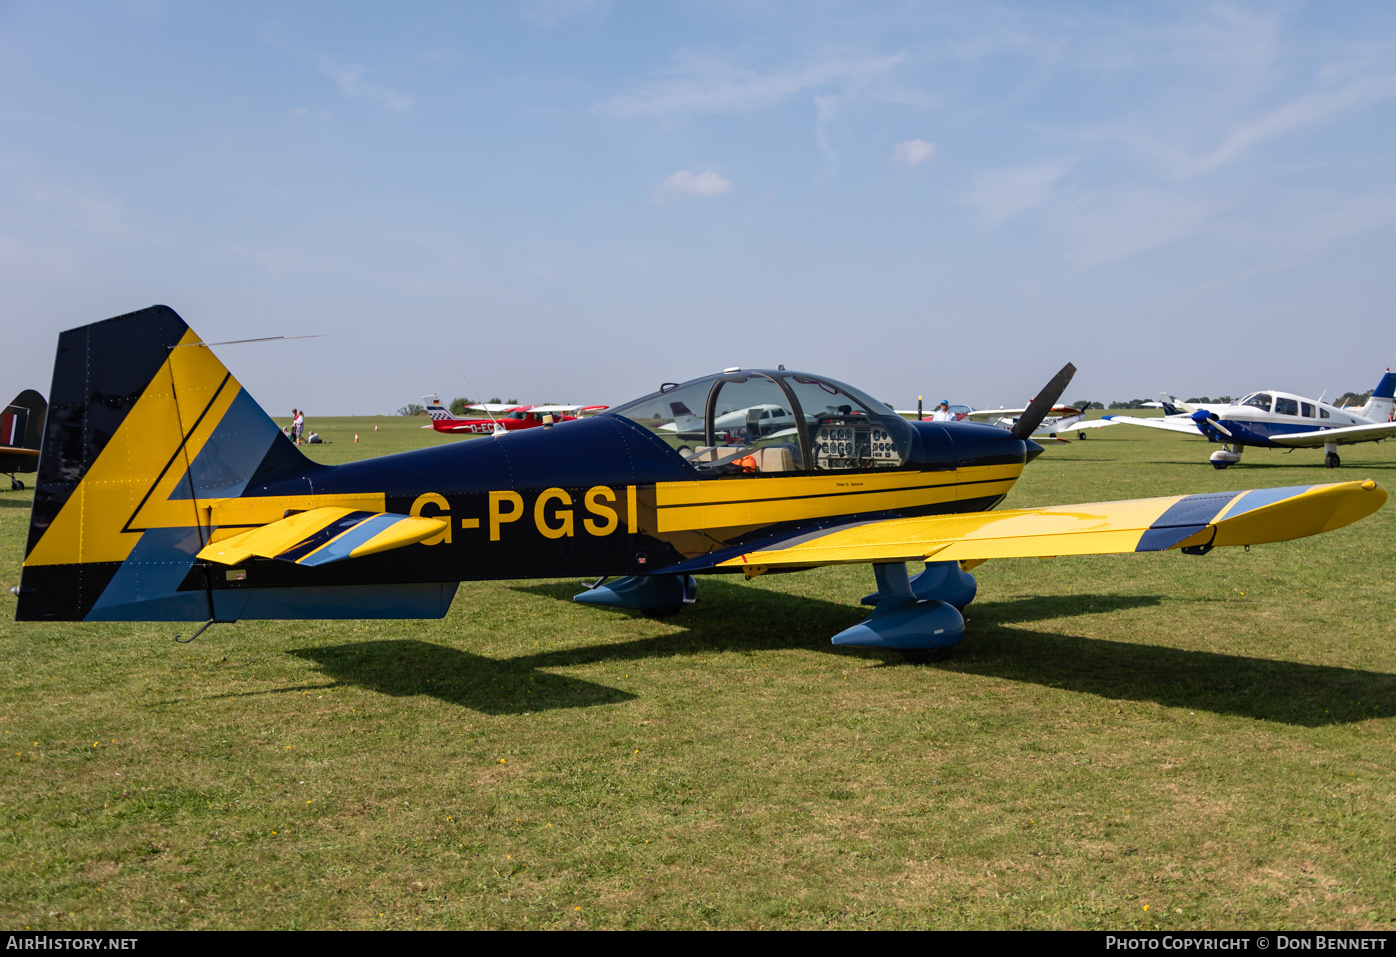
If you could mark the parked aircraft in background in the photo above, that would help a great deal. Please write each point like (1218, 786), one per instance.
(1278, 420)
(958, 412)
(1062, 418)
(165, 493)
(21, 430)
(500, 417)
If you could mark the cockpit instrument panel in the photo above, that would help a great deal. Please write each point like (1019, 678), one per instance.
(854, 442)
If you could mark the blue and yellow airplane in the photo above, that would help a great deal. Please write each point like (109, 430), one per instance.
(165, 493)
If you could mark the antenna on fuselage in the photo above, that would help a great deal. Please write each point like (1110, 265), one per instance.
(498, 429)
(239, 342)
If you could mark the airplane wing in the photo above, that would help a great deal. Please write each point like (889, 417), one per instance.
(1168, 425)
(1249, 517)
(555, 408)
(1344, 436)
(495, 406)
(323, 535)
(1092, 424)
(989, 415)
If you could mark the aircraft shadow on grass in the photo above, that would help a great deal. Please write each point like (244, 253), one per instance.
(736, 618)
(8, 500)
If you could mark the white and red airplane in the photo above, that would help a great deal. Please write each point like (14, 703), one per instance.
(501, 417)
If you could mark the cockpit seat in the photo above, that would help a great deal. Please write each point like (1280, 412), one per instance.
(733, 460)
(773, 458)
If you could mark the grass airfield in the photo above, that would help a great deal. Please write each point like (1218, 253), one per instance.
(1155, 741)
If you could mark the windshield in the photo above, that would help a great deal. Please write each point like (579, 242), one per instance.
(1259, 400)
(748, 415)
(678, 416)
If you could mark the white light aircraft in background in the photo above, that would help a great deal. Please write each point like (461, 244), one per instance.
(1277, 420)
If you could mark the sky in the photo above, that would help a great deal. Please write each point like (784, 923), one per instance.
(576, 200)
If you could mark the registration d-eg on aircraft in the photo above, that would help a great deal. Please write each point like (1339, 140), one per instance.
(165, 493)
(500, 417)
(1277, 420)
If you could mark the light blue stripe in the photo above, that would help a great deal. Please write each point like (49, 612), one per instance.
(1260, 497)
(339, 549)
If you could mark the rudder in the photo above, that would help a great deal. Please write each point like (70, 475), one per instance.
(145, 427)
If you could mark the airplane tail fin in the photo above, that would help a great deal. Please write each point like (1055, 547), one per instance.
(684, 419)
(437, 411)
(146, 430)
(1380, 405)
(21, 432)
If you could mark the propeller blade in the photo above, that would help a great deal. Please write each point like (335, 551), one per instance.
(1205, 415)
(1039, 407)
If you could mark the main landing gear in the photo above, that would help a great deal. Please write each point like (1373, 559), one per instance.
(656, 595)
(1330, 455)
(920, 617)
(16, 485)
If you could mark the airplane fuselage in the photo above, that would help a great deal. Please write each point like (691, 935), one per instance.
(1271, 413)
(601, 496)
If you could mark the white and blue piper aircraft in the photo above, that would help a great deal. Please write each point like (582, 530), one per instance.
(1277, 420)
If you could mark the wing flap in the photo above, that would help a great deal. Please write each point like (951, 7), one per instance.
(1219, 518)
(1343, 436)
(323, 535)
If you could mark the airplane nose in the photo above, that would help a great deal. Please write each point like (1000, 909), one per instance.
(1032, 448)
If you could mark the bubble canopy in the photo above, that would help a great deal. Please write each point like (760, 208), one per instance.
(760, 421)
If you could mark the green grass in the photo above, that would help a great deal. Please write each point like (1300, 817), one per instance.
(1151, 740)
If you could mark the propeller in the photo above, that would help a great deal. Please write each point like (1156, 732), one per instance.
(1202, 415)
(1039, 407)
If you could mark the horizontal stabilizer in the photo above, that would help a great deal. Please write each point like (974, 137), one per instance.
(1219, 518)
(323, 535)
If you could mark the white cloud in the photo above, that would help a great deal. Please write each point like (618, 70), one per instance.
(912, 152)
(1310, 109)
(349, 79)
(1109, 225)
(1003, 192)
(706, 183)
(704, 84)
(555, 13)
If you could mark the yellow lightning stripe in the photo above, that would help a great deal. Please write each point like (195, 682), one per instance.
(147, 446)
(684, 506)
(1098, 528)
(229, 513)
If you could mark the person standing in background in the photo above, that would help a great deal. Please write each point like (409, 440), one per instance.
(297, 424)
(942, 412)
